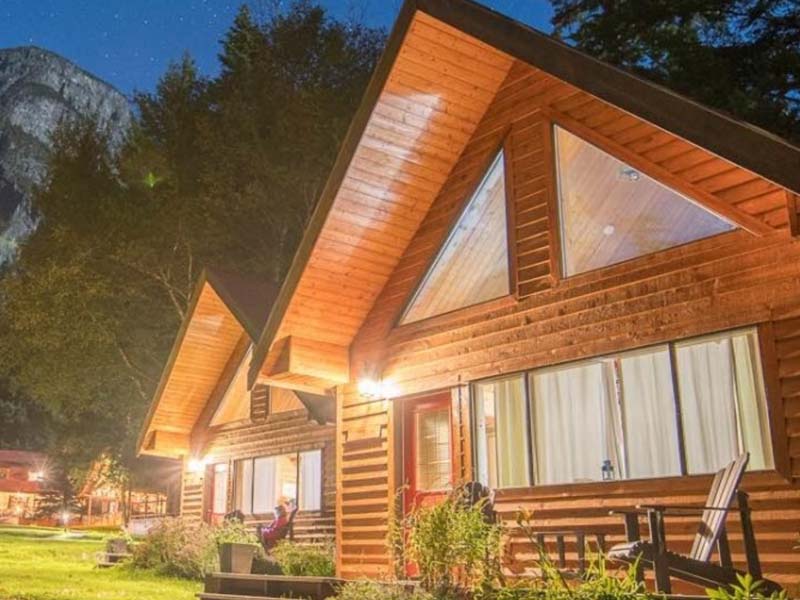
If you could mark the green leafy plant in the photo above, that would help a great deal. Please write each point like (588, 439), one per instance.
(175, 547)
(374, 590)
(311, 560)
(746, 588)
(187, 549)
(453, 546)
(234, 532)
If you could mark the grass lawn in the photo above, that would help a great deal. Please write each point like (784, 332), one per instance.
(41, 564)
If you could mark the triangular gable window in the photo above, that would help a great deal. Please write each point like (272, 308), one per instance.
(235, 404)
(472, 266)
(611, 212)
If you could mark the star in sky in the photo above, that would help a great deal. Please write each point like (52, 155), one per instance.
(129, 43)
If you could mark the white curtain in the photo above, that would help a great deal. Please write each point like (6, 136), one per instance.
(512, 438)
(486, 435)
(310, 480)
(243, 491)
(503, 455)
(220, 494)
(264, 494)
(708, 403)
(569, 412)
(649, 420)
(751, 401)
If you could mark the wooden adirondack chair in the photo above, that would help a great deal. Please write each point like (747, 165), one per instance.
(697, 567)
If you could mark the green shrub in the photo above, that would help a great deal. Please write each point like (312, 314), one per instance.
(453, 546)
(174, 547)
(191, 550)
(373, 590)
(233, 532)
(310, 560)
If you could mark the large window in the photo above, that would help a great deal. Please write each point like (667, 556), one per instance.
(472, 266)
(688, 407)
(611, 212)
(260, 483)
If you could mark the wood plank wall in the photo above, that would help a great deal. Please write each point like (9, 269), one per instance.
(732, 280)
(270, 434)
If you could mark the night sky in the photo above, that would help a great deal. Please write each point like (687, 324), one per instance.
(129, 43)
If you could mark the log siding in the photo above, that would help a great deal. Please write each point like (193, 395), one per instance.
(267, 435)
(732, 280)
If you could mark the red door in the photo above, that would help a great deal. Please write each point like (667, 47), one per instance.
(429, 449)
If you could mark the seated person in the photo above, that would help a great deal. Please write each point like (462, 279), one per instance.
(271, 534)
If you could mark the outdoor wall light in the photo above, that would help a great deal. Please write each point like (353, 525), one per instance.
(197, 465)
(376, 388)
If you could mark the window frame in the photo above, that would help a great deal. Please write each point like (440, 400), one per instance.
(772, 404)
(555, 216)
(503, 147)
(296, 453)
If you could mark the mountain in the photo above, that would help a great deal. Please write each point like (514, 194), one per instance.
(39, 90)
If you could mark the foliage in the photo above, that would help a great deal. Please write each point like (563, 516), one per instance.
(232, 531)
(374, 590)
(44, 564)
(181, 548)
(26, 425)
(752, 47)
(221, 172)
(175, 547)
(311, 560)
(453, 546)
(747, 588)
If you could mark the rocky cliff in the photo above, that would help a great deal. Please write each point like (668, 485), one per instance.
(38, 91)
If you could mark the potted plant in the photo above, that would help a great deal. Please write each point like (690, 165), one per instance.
(236, 557)
(237, 547)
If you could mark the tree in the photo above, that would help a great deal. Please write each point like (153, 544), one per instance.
(740, 56)
(25, 424)
(221, 172)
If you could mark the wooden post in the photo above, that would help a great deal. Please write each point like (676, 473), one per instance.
(562, 553)
(724, 549)
(658, 539)
(749, 536)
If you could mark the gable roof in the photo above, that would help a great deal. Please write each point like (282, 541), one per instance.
(418, 114)
(22, 458)
(226, 314)
(247, 299)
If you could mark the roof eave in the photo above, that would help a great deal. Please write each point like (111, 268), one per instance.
(343, 158)
(741, 143)
(173, 355)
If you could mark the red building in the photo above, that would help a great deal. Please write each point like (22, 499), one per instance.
(22, 481)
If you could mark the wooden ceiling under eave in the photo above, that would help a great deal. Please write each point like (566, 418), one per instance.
(207, 342)
(439, 87)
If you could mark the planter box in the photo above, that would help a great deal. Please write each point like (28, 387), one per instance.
(236, 558)
(117, 546)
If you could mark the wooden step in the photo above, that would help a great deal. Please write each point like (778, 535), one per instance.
(229, 585)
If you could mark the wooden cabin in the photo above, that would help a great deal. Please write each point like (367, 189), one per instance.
(23, 483)
(535, 270)
(241, 449)
(150, 493)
